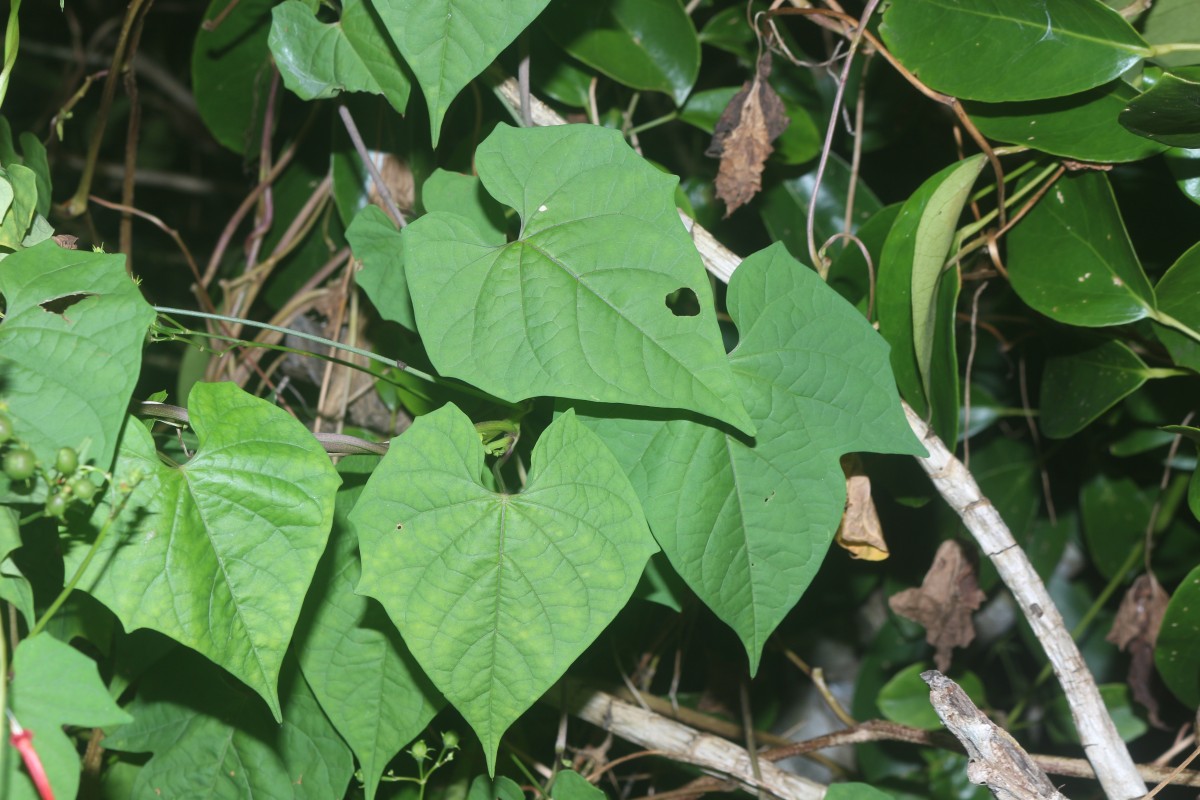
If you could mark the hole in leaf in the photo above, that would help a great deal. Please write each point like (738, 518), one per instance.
(683, 302)
(59, 305)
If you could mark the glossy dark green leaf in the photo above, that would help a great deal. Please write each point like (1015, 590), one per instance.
(1082, 126)
(1169, 112)
(1071, 259)
(644, 44)
(800, 141)
(447, 42)
(496, 594)
(231, 71)
(1171, 21)
(318, 60)
(784, 207)
(1177, 292)
(1001, 50)
(1184, 164)
(576, 306)
(223, 547)
(1177, 651)
(1114, 512)
(212, 740)
(747, 524)
(353, 658)
(1081, 383)
(70, 353)
(849, 274)
(53, 685)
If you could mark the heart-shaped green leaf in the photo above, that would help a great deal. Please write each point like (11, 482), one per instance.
(223, 547)
(70, 352)
(497, 594)
(747, 525)
(999, 50)
(576, 306)
(375, 241)
(644, 44)
(53, 684)
(318, 60)
(208, 741)
(1082, 126)
(1071, 259)
(449, 42)
(231, 71)
(351, 654)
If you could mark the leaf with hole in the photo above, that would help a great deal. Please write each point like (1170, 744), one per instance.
(222, 547)
(496, 594)
(747, 524)
(577, 305)
(1169, 112)
(1082, 382)
(351, 654)
(1070, 257)
(319, 60)
(449, 42)
(1081, 126)
(1001, 50)
(70, 353)
(645, 44)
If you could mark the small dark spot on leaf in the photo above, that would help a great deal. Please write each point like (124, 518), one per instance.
(399, 526)
(767, 499)
(683, 302)
(59, 305)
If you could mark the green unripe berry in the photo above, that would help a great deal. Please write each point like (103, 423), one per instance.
(67, 461)
(19, 464)
(56, 505)
(6, 428)
(83, 488)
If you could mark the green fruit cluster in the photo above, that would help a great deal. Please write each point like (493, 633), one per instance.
(69, 482)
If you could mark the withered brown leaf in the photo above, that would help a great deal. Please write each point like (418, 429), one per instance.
(944, 603)
(1135, 630)
(860, 532)
(742, 138)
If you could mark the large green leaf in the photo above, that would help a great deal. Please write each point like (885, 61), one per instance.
(231, 71)
(449, 42)
(849, 274)
(53, 685)
(747, 524)
(1168, 112)
(1177, 291)
(209, 739)
(1071, 259)
(497, 594)
(1000, 50)
(464, 195)
(1082, 126)
(351, 655)
(1081, 383)
(644, 44)
(785, 205)
(1177, 652)
(318, 60)
(576, 306)
(1171, 21)
(70, 352)
(222, 548)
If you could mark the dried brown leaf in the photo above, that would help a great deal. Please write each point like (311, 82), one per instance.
(944, 603)
(742, 139)
(860, 532)
(1135, 630)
